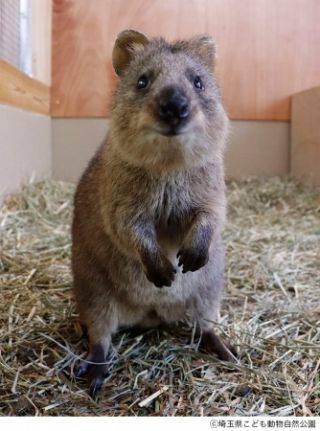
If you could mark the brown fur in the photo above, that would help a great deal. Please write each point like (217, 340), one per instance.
(146, 197)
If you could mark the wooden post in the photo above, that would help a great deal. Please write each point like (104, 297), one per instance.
(305, 136)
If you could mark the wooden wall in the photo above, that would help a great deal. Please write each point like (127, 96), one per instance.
(267, 49)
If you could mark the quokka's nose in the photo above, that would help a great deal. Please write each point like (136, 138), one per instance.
(173, 106)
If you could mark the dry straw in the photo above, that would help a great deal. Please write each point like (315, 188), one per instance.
(271, 313)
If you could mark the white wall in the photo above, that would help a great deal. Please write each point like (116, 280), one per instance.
(36, 146)
(25, 148)
(255, 147)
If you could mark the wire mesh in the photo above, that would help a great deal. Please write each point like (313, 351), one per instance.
(15, 33)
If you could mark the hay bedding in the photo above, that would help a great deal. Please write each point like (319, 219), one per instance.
(271, 312)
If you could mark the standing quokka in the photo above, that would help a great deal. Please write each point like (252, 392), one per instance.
(150, 207)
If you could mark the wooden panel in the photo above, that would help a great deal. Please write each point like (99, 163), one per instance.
(305, 136)
(267, 49)
(20, 90)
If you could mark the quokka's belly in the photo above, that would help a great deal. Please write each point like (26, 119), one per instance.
(185, 286)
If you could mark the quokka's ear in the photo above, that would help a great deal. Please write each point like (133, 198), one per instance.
(127, 44)
(203, 46)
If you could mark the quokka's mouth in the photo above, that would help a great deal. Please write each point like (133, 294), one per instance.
(170, 131)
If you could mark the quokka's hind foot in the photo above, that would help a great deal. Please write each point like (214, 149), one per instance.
(94, 367)
(211, 343)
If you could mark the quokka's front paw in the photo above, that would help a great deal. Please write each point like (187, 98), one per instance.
(194, 252)
(160, 271)
(192, 259)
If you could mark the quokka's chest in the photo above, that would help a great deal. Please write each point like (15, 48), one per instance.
(173, 208)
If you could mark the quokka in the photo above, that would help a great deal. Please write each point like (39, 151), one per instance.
(150, 207)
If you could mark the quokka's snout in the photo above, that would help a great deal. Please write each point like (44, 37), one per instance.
(173, 109)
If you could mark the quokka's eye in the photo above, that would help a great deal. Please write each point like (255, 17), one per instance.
(142, 82)
(198, 83)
